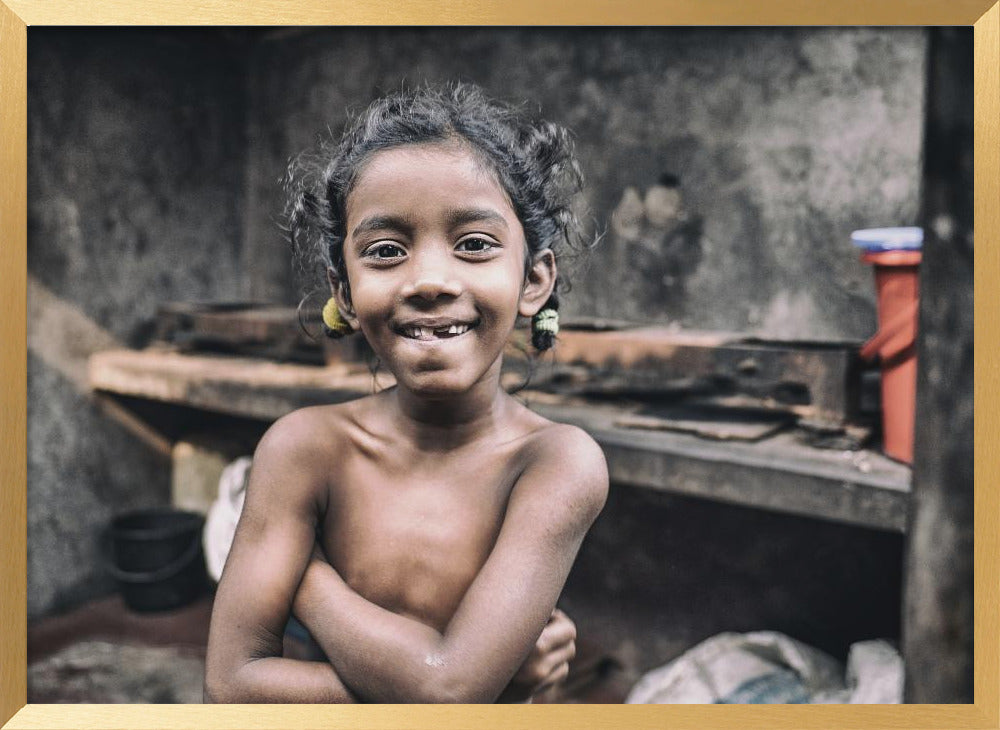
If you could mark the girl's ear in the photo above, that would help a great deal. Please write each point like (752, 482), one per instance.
(538, 284)
(341, 293)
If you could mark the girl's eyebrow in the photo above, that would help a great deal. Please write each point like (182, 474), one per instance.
(455, 219)
(382, 223)
(475, 215)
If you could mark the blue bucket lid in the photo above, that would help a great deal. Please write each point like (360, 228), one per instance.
(909, 238)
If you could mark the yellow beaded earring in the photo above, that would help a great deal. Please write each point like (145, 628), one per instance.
(334, 324)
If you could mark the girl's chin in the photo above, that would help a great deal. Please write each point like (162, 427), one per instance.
(435, 385)
(432, 376)
(451, 382)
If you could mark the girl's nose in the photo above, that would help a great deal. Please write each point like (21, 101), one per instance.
(433, 276)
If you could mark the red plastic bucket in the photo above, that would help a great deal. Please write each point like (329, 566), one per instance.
(895, 254)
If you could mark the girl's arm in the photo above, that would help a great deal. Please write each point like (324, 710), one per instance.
(389, 658)
(270, 551)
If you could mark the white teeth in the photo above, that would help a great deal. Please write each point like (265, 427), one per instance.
(420, 333)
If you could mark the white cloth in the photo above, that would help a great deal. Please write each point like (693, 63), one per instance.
(224, 514)
(766, 667)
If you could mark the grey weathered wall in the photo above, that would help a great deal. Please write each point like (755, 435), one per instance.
(135, 195)
(782, 140)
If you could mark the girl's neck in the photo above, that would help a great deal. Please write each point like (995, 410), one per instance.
(448, 422)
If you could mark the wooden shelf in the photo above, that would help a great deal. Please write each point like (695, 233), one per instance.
(778, 473)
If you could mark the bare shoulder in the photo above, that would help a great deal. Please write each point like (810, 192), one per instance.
(565, 463)
(310, 433)
(297, 450)
(297, 436)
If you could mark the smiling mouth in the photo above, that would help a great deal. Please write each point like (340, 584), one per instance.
(431, 334)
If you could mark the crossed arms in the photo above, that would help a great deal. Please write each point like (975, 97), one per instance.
(376, 655)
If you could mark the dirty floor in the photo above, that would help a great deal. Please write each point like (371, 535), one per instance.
(102, 652)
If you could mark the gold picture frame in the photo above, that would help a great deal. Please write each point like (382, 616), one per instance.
(16, 15)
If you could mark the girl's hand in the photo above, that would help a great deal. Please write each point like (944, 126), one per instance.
(548, 663)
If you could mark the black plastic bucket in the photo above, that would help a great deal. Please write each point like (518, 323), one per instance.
(157, 558)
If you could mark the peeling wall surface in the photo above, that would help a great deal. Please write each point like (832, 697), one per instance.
(135, 193)
(727, 167)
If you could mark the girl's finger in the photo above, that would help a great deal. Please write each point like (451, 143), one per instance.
(559, 631)
(542, 664)
(555, 644)
(555, 659)
(556, 676)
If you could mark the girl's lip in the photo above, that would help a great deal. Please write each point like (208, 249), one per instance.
(434, 323)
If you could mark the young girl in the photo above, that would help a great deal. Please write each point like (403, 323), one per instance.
(422, 534)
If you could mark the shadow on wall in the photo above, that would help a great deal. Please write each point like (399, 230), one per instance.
(656, 235)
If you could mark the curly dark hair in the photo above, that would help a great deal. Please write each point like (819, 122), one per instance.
(533, 161)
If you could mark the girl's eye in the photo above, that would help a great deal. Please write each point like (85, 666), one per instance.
(475, 245)
(384, 251)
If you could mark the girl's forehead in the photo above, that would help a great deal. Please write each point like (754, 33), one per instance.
(423, 163)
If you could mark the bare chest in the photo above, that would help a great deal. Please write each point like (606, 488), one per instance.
(413, 538)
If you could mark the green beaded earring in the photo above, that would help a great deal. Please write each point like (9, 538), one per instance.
(545, 325)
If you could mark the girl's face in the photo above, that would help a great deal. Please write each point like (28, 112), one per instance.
(435, 257)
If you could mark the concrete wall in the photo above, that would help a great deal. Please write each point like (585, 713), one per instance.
(781, 141)
(135, 197)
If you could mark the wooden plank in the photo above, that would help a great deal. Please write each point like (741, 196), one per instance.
(779, 473)
(820, 378)
(710, 423)
(236, 386)
(590, 357)
(256, 330)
